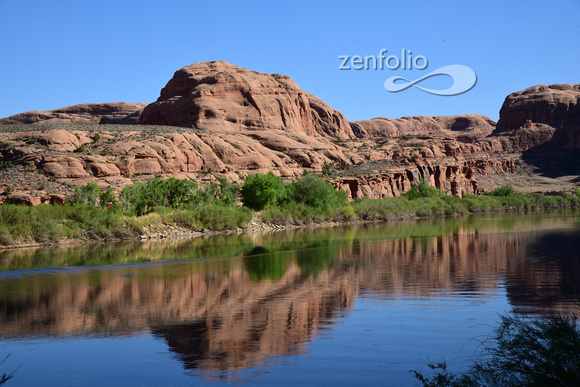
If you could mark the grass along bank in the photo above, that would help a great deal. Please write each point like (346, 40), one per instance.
(173, 205)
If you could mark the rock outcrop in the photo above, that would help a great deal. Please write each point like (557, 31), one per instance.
(543, 117)
(88, 113)
(465, 128)
(554, 105)
(219, 96)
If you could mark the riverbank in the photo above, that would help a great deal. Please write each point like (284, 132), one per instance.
(45, 225)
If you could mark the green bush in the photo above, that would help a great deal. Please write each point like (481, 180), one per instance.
(139, 198)
(107, 197)
(504, 190)
(228, 192)
(86, 194)
(260, 190)
(315, 192)
(423, 190)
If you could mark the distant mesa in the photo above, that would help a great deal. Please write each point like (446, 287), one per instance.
(87, 113)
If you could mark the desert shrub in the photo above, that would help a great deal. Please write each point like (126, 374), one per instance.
(214, 217)
(134, 198)
(504, 190)
(260, 190)
(6, 238)
(86, 194)
(171, 192)
(139, 198)
(348, 212)
(453, 205)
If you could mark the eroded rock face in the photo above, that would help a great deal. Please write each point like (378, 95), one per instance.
(88, 113)
(554, 105)
(452, 179)
(221, 97)
(465, 128)
(542, 118)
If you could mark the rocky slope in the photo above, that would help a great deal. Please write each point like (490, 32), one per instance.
(214, 119)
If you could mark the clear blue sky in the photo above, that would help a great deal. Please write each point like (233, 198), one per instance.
(61, 53)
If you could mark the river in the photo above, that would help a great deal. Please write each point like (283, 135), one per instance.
(358, 305)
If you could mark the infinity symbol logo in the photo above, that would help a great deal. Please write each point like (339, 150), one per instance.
(463, 77)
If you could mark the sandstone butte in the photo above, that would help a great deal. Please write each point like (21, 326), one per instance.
(214, 119)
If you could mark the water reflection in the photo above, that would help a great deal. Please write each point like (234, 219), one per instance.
(268, 295)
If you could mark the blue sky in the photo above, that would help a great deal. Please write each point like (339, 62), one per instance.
(61, 53)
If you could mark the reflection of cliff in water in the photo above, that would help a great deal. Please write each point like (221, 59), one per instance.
(228, 314)
(250, 331)
(556, 255)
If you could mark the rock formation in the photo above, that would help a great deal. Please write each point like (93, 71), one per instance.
(219, 96)
(546, 116)
(465, 128)
(554, 105)
(88, 113)
(214, 119)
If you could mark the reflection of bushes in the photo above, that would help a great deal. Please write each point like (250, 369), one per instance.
(264, 266)
(522, 352)
(314, 261)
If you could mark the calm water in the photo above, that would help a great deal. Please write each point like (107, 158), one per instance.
(359, 305)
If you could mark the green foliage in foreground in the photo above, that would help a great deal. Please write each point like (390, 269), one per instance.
(522, 352)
